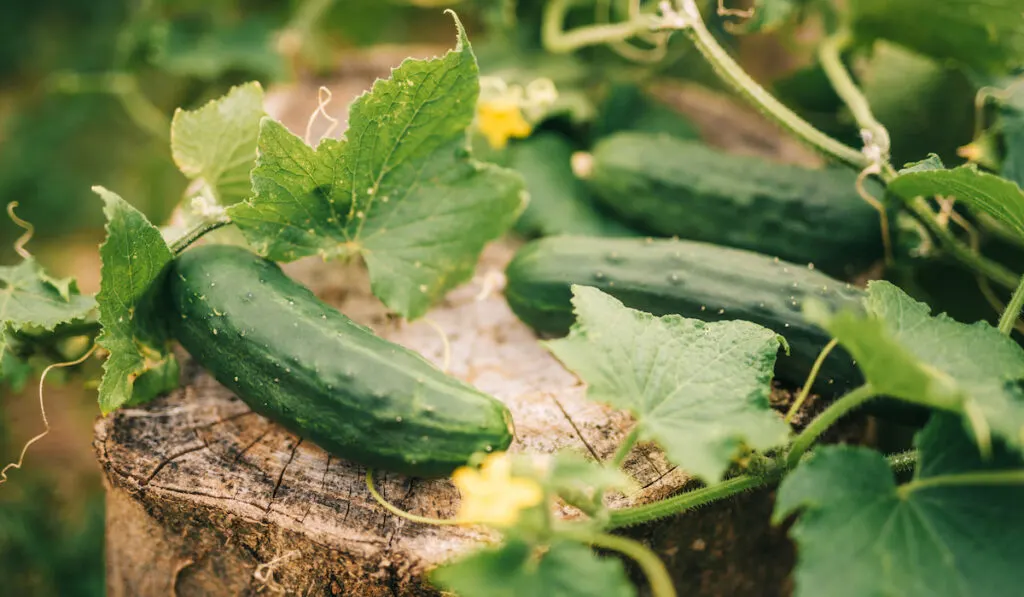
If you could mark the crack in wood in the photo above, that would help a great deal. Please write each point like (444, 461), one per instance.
(576, 429)
(250, 445)
(280, 478)
(160, 466)
(323, 488)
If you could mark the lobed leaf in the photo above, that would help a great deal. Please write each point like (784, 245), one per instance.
(517, 569)
(134, 257)
(996, 196)
(861, 535)
(401, 190)
(216, 143)
(700, 390)
(907, 353)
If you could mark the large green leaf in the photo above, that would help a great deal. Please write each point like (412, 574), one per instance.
(134, 258)
(994, 195)
(518, 569)
(217, 142)
(31, 299)
(698, 389)
(400, 190)
(986, 36)
(907, 353)
(861, 535)
(211, 50)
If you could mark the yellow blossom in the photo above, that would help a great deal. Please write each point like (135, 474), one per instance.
(491, 495)
(500, 120)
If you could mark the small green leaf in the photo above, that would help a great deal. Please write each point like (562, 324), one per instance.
(908, 354)
(698, 389)
(134, 257)
(985, 36)
(400, 190)
(30, 297)
(518, 569)
(217, 142)
(994, 195)
(859, 535)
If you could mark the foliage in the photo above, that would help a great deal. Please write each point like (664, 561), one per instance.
(407, 197)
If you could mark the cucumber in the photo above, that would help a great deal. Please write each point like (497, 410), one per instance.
(559, 202)
(692, 279)
(674, 187)
(303, 364)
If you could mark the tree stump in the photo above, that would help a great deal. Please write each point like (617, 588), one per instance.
(206, 498)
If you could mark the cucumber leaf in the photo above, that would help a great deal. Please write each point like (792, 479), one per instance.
(986, 37)
(994, 195)
(698, 389)
(907, 353)
(32, 299)
(400, 190)
(134, 257)
(211, 50)
(861, 535)
(216, 143)
(518, 568)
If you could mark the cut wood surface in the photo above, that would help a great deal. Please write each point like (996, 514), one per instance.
(205, 497)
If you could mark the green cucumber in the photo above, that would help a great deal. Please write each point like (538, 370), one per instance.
(674, 187)
(692, 279)
(559, 202)
(303, 364)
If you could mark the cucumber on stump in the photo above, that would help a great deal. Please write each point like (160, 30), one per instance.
(303, 364)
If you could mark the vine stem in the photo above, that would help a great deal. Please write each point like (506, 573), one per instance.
(1015, 477)
(627, 517)
(806, 390)
(653, 567)
(1012, 312)
(626, 446)
(192, 235)
(826, 419)
(690, 22)
(402, 513)
(556, 40)
(829, 55)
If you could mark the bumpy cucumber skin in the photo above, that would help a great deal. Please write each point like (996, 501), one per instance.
(303, 364)
(675, 187)
(691, 279)
(559, 202)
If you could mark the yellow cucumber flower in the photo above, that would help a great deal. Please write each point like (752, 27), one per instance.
(491, 495)
(501, 119)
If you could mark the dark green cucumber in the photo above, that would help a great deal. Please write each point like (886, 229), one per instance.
(674, 187)
(559, 202)
(692, 279)
(299, 362)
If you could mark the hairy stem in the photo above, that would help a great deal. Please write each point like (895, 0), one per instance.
(652, 566)
(559, 41)
(733, 74)
(902, 461)
(197, 231)
(1012, 312)
(826, 419)
(1012, 477)
(806, 390)
(626, 517)
(829, 54)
